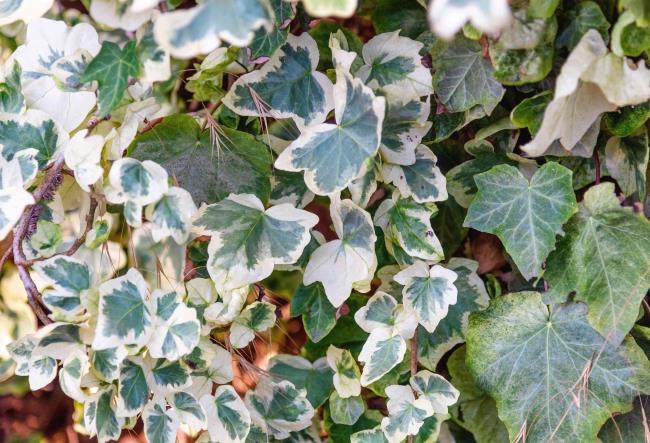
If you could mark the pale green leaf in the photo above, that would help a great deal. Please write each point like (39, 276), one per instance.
(406, 414)
(626, 159)
(421, 180)
(315, 378)
(346, 372)
(160, 424)
(604, 260)
(346, 411)
(544, 360)
(525, 215)
(435, 389)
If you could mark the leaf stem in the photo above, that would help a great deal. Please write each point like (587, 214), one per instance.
(597, 161)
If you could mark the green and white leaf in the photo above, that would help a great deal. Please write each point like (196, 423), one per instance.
(106, 363)
(435, 389)
(24, 10)
(11, 97)
(280, 408)
(447, 17)
(135, 184)
(406, 414)
(186, 33)
(318, 314)
(165, 377)
(160, 424)
(525, 214)
(171, 216)
(248, 241)
(53, 59)
(255, 318)
(73, 368)
(626, 159)
(332, 155)
(133, 390)
(346, 411)
(393, 64)
(346, 372)
(314, 378)
(472, 296)
(100, 417)
(375, 435)
(124, 313)
(603, 259)
(428, 293)
(31, 130)
(545, 360)
(287, 86)
(13, 197)
(227, 416)
(223, 312)
(349, 262)
(421, 180)
(405, 125)
(189, 410)
(175, 328)
(464, 79)
(407, 230)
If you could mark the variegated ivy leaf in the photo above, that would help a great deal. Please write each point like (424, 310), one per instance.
(133, 390)
(549, 371)
(394, 65)
(211, 364)
(327, 8)
(13, 197)
(223, 312)
(128, 16)
(406, 414)
(288, 85)
(124, 314)
(332, 155)
(608, 244)
(627, 161)
(592, 81)
(405, 124)
(42, 371)
(33, 358)
(189, 32)
(346, 411)
(55, 55)
(256, 317)
(106, 363)
(165, 377)
(171, 216)
(189, 410)
(346, 372)
(31, 130)
(289, 187)
(347, 263)
(525, 214)
(421, 180)
(407, 230)
(435, 389)
(25, 10)
(160, 424)
(73, 368)
(11, 97)
(314, 378)
(464, 79)
(389, 325)
(472, 296)
(58, 340)
(175, 328)
(363, 187)
(82, 155)
(279, 407)
(135, 184)
(248, 241)
(448, 16)
(228, 418)
(70, 279)
(428, 292)
(374, 435)
(100, 417)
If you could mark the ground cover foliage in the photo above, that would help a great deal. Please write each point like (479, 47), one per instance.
(329, 220)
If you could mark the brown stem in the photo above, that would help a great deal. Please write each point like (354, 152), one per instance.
(49, 184)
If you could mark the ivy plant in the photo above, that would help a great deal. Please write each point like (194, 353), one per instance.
(329, 220)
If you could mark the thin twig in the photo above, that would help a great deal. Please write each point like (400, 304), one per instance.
(597, 161)
(5, 256)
